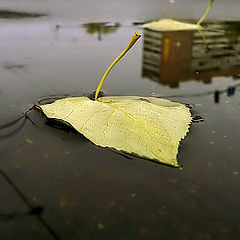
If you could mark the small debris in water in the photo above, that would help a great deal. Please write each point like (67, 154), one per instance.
(210, 164)
(62, 203)
(17, 166)
(57, 27)
(143, 231)
(193, 191)
(133, 195)
(29, 141)
(224, 230)
(34, 199)
(100, 226)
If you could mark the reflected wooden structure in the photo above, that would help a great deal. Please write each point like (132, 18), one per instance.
(173, 57)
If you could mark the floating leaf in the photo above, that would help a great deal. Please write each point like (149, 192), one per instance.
(165, 25)
(170, 25)
(148, 127)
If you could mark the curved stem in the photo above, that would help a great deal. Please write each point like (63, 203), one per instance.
(135, 37)
(206, 12)
(203, 37)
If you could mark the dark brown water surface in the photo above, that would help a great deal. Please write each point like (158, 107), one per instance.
(55, 184)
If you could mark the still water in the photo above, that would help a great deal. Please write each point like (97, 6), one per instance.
(55, 184)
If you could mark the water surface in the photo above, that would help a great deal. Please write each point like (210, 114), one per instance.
(55, 184)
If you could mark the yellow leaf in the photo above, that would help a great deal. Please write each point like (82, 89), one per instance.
(146, 126)
(164, 25)
(170, 25)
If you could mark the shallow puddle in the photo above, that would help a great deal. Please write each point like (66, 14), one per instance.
(55, 184)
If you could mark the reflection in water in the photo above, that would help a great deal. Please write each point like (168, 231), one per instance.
(101, 28)
(216, 96)
(173, 57)
(14, 66)
(16, 15)
(230, 91)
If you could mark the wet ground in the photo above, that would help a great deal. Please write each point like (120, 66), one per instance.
(55, 184)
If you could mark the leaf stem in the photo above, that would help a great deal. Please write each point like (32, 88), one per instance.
(203, 37)
(134, 39)
(206, 12)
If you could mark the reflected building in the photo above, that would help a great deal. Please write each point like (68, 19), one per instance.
(101, 28)
(175, 56)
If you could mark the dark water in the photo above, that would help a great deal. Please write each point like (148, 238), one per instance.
(55, 184)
